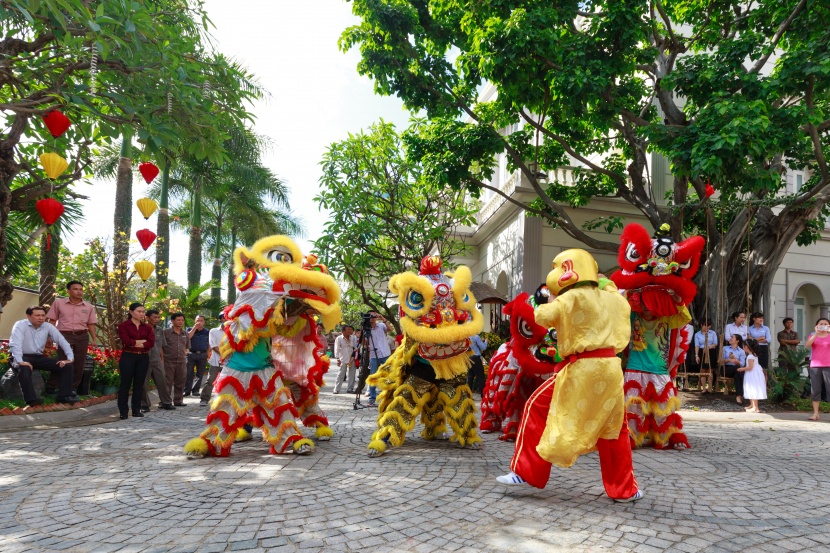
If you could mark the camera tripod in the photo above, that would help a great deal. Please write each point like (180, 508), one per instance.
(366, 342)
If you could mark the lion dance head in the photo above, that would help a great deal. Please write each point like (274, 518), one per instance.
(656, 271)
(438, 315)
(278, 289)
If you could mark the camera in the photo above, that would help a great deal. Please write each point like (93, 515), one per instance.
(823, 327)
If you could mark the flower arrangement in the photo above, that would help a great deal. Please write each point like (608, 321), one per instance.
(105, 368)
(5, 356)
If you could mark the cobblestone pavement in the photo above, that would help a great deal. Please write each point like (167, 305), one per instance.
(125, 486)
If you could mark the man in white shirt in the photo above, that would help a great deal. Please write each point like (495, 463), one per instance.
(379, 350)
(344, 346)
(28, 339)
(214, 360)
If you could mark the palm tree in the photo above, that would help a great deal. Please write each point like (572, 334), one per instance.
(237, 181)
(26, 228)
(249, 217)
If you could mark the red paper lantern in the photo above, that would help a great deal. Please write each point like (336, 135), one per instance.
(146, 237)
(709, 189)
(50, 210)
(148, 170)
(56, 122)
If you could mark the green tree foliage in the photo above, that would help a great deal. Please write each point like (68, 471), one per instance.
(604, 83)
(112, 67)
(384, 214)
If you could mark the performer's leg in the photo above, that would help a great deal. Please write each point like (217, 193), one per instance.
(526, 461)
(399, 416)
(309, 410)
(432, 417)
(275, 413)
(617, 467)
(460, 411)
(228, 413)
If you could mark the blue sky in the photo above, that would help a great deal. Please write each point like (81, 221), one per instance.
(316, 98)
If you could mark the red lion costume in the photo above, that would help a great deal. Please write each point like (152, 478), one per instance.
(656, 277)
(517, 368)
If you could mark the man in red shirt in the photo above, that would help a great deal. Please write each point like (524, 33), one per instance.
(76, 320)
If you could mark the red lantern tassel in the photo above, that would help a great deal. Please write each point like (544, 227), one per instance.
(48, 240)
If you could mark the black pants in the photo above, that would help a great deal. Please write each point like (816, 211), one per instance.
(476, 374)
(196, 363)
(133, 368)
(42, 363)
(763, 356)
(738, 377)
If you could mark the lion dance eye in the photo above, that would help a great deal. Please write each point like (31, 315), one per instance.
(280, 256)
(414, 300)
(524, 329)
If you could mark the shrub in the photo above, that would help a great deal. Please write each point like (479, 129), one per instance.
(105, 369)
(785, 379)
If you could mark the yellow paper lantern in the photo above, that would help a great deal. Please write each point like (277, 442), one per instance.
(53, 164)
(144, 269)
(147, 206)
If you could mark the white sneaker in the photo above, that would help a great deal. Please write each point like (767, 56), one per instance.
(511, 479)
(635, 497)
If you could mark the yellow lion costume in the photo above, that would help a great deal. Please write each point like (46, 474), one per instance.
(426, 375)
(279, 294)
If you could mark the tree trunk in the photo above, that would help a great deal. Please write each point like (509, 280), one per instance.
(216, 274)
(123, 219)
(49, 259)
(163, 228)
(231, 275)
(194, 255)
(722, 283)
(8, 170)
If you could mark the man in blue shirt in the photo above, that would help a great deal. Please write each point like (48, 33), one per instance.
(197, 356)
(475, 374)
(27, 341)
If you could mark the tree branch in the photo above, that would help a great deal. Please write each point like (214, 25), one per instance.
(777, 37)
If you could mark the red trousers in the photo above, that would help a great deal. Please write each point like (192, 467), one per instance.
(614, 455)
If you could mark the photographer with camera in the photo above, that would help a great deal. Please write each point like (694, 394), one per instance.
(374, 336)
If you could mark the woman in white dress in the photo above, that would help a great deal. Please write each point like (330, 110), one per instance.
(755, 383)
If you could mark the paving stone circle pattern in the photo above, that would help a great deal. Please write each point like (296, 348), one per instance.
(125, 486)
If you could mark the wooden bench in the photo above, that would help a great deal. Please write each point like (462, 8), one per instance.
(682, 378)
(728, 383)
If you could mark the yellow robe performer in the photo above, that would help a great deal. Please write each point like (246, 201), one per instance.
(582, 407)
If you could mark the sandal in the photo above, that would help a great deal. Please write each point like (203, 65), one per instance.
(812, 418)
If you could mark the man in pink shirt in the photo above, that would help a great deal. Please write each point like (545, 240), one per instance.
(76, 320)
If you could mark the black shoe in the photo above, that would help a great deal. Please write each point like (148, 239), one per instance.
(138, 414)
(123, 417)
(166, 407)
(35, 402)
(186, 394)
(179, 405)
(145, 409)
(67, 399)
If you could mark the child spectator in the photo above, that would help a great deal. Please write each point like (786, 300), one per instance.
(755, 383)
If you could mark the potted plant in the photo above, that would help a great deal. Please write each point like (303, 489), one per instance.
(105, 374)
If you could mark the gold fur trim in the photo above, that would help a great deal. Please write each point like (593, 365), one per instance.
(378, 445)
(672, 405)
(196, 447)
(305, 441)
(447, 369)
